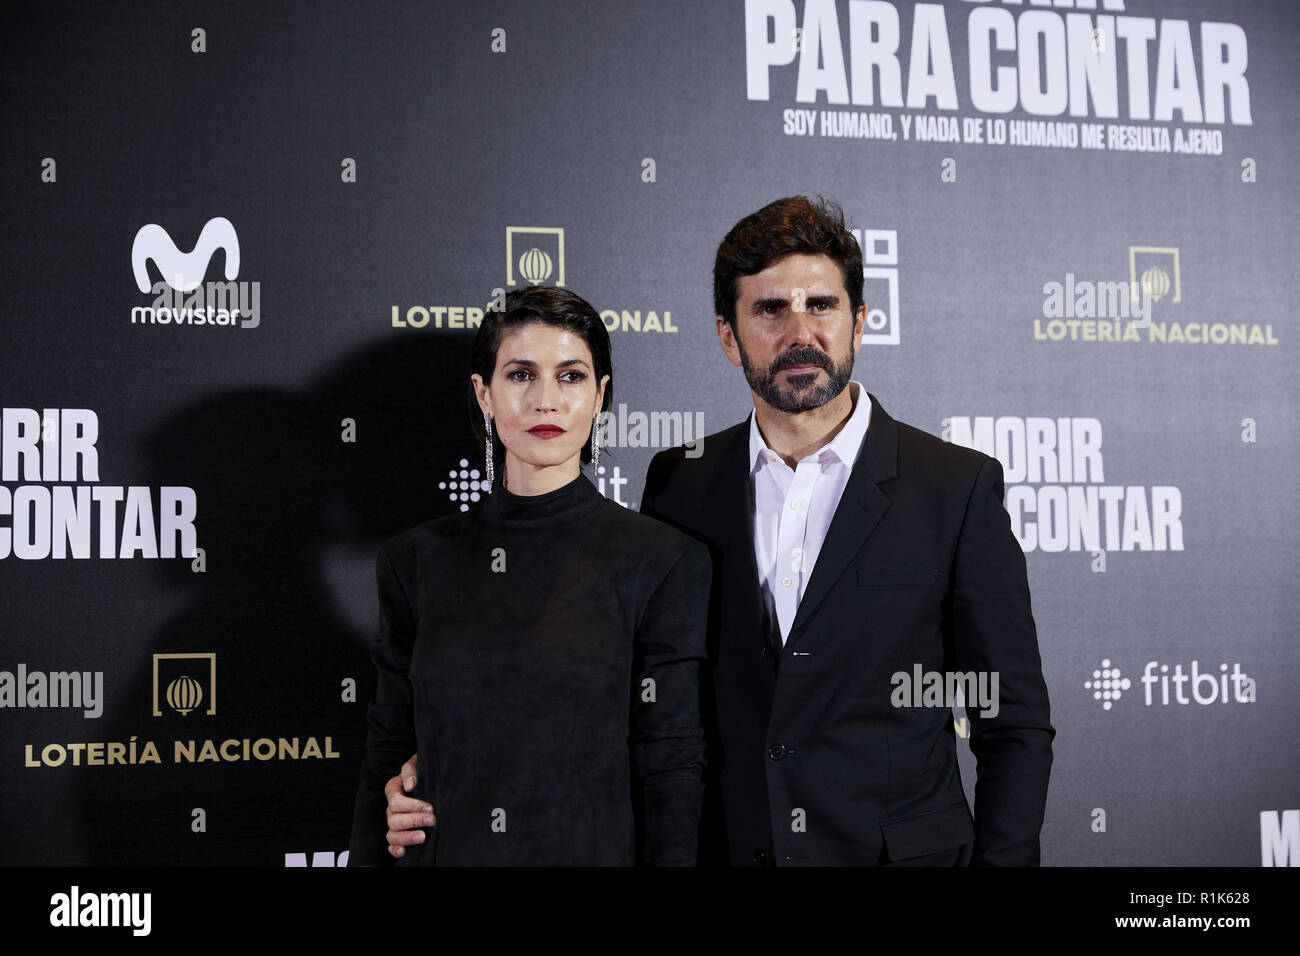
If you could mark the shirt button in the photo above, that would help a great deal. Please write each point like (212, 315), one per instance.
(776, 751)
(794, 505)
(785, 581)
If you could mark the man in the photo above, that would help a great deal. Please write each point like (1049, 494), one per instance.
(852, 555)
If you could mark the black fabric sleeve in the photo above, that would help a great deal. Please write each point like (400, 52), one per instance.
(994, 632)
(391, 736)
(667, 740)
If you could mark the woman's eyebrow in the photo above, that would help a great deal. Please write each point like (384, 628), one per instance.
(531, 364)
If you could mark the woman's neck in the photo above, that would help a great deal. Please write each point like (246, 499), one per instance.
(527, 480)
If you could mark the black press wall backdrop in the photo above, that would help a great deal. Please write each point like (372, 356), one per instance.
(247, 246)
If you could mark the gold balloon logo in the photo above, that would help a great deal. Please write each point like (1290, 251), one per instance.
(184, 694)
(1156, 282)
(535, 266)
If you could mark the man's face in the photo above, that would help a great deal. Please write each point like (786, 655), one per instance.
(795, 337)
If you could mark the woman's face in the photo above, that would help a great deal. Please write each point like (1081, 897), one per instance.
(543, 397)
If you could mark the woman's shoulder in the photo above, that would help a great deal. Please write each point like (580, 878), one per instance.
(643, 533)
(653, 561)
(428, 535)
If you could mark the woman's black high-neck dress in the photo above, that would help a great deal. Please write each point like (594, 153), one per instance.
(542, 656)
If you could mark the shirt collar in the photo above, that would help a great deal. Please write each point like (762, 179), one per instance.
(844, 446)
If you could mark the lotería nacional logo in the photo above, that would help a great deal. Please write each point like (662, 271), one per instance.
(182, 297)
(185, 683)
(1160, 273)
(534, 255)
(879, 285)
(1139, 309)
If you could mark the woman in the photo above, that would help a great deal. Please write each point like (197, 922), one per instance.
(540, 653)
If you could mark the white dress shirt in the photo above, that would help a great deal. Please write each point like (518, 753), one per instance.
(793, 508)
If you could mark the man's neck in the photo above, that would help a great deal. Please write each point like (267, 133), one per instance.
(796, 435)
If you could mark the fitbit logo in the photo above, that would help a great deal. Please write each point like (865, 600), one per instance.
(1107, 685)
(464, 485)
(1205, 687)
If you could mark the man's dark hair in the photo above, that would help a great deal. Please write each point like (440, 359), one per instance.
(786, 227)
(549, 306)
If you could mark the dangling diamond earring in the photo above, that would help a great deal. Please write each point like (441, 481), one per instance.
(595, 445)
(488, 466)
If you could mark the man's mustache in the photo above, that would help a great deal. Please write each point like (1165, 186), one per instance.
(801, 357)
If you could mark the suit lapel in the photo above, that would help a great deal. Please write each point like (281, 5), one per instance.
(861, 507)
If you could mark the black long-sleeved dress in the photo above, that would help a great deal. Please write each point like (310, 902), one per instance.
(542, 656)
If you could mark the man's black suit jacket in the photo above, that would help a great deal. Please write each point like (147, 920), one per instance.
(809, 759)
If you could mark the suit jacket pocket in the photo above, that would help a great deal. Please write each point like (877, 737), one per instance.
(898, 577)
(928, 832)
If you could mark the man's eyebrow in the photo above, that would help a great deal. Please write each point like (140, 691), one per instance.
(779, 302)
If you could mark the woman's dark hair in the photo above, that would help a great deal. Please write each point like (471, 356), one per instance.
(783, 228)
(549, 306)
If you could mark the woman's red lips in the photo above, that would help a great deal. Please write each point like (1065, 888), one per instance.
(546, 431)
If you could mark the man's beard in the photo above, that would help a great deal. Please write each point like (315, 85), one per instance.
(800, 395)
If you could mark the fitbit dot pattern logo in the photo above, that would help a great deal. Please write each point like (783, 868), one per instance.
(464, 485)
(1106, 684)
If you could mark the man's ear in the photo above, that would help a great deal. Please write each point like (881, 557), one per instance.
(727, 336)
(859, 323)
